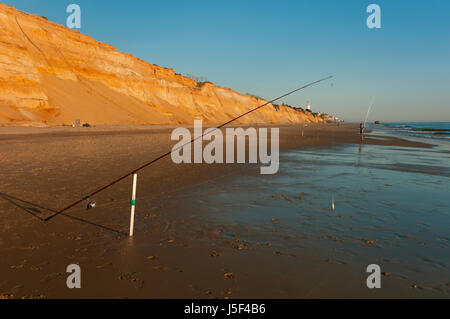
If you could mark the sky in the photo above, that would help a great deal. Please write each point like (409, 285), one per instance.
(268, 48)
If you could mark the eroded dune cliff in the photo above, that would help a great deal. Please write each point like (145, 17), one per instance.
(51, 75)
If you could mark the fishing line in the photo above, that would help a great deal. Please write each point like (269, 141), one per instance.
(178, 148)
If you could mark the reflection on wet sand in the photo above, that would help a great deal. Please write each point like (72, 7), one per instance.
(378, 217)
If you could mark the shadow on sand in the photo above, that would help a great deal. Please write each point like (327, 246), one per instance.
(36, 211)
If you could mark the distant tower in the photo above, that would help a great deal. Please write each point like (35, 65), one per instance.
(308, 106)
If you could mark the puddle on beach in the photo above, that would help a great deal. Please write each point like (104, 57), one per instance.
(391, 208)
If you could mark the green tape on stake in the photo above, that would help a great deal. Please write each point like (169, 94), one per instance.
(133, 202)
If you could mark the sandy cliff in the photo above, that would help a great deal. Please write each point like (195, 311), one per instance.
(51, 75)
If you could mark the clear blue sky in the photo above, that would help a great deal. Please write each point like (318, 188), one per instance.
(270, 47)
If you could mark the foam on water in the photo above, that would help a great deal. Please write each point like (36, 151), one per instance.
(425, 130)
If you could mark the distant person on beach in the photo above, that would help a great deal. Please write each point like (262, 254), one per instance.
(361, 130)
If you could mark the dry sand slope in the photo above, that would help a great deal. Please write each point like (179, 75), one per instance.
(51, 75)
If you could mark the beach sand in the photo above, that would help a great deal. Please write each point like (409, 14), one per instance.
(178, 251)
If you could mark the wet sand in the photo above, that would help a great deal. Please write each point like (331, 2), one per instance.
(178, 252)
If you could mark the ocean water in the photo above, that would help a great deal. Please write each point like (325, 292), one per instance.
(392, 206)
(425, 130)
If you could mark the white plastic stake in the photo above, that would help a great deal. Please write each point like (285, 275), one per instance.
(133, 204)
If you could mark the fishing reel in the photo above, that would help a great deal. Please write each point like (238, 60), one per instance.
(90, 203)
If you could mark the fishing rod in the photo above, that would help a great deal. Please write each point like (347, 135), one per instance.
(178, 148)
(368, 111)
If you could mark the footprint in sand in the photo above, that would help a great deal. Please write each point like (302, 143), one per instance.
(35, 268)
(35, 297)
(215, 254)
(20, 266)
(228, 293)
(335, 261)
(400, 277)
(160, 268)
(153, 258)
(229, 275)
(52, 276)
(196, 288)
(104, 265)
(287, 198)
(131, 277)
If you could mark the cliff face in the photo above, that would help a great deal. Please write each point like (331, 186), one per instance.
(51, 75)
